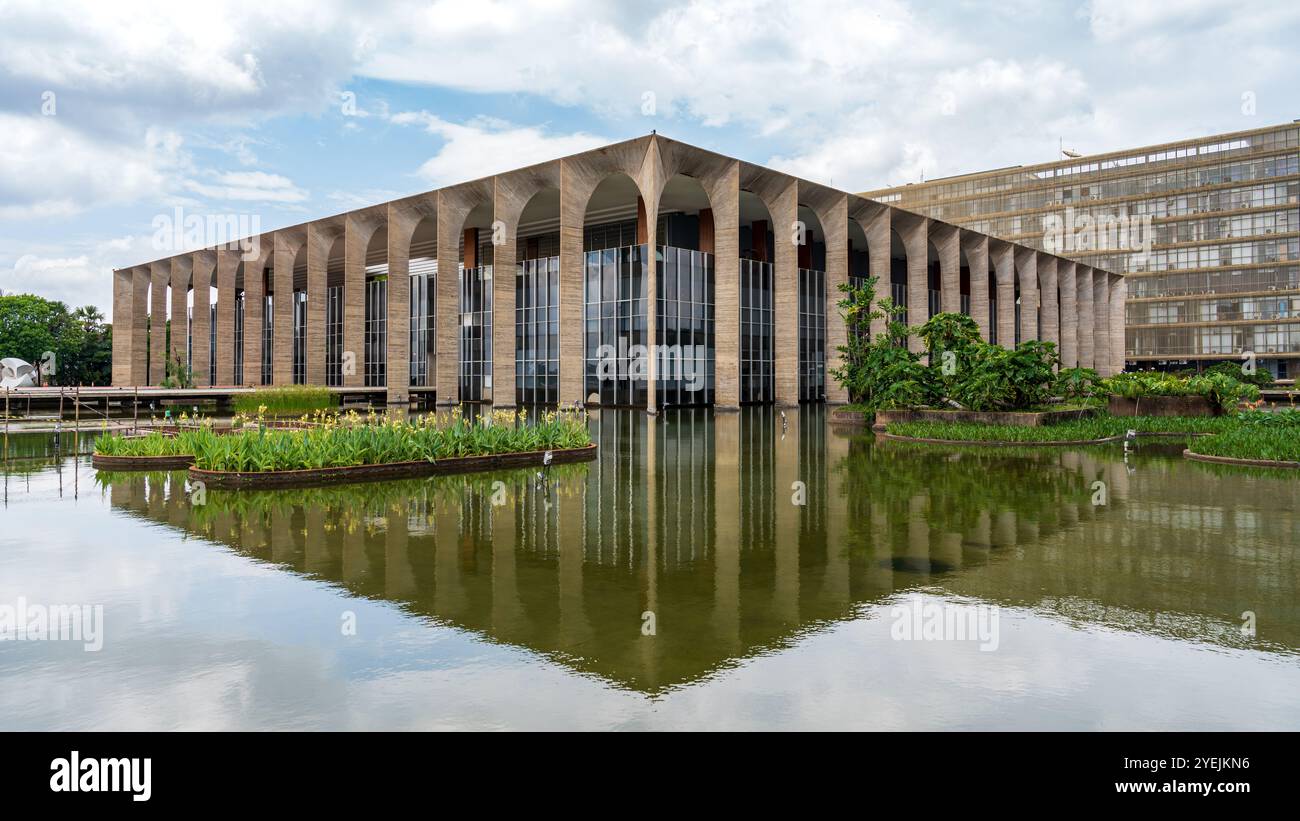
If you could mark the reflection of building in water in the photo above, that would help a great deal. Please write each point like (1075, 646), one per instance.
(694, 517)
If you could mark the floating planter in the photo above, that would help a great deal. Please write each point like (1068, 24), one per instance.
(272, 479)
(1031, 419)
(1232, 460)
(168, 462)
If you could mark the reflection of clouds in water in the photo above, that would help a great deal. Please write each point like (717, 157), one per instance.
(204, 636)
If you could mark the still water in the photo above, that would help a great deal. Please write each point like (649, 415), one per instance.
(732, 571)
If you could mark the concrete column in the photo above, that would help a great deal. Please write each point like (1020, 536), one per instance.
(879, 238)
(254, 294)
(914, 231)
(204, 264)
(320, 240)
(1101, 323)
(1027, 272)
(1048, 294)
(724, 197)
(1118, 339)
(181, 268)
(1069, 314)
(784, 208)
(1005, 273)
(977, 257)
(573, 211)
(504, 269)
(282, 260)
(159, 275)
(1083, 277)
(835, 222)
(356, 237)
(451, 219)
(946, 242)
(124, 342)
(401, 227)
(227, 267)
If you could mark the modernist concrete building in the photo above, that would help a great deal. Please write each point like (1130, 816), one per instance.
(1222, 276)
(555, 267)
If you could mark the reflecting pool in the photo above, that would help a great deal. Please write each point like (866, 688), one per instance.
(734, 571)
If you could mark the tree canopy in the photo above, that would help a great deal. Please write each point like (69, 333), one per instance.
(72, 347)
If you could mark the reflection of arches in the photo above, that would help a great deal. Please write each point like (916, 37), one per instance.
(684, 321)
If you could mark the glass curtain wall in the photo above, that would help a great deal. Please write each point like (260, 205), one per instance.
(212, 343)
(334, 336)
(268, 337)
(537, 331)
(475, 333)
(812, 335)
(615, 311)
(239, 338)
(757, 385)
(299, 337)
(424, 271)
(376, 330)
(684, 327)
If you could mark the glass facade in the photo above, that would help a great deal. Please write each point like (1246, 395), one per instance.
(1224, 225)
(334, 336)
(268, 338)
(239, 338)
(299, 337)
(424, 273)
(376, 329)
(757, 385)
(615, 316)
(684, 327)
(537, 331)
(812, 335)
(212, 343)
(476, 334)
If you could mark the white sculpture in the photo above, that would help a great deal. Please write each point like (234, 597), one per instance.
(15, 373)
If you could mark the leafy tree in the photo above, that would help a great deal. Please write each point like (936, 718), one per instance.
(81, 343)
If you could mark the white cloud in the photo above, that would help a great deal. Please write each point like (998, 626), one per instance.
(51, 170)
(81, 277)
(483, 147)
(248, 186)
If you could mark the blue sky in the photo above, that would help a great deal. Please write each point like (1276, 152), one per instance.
(112, 114)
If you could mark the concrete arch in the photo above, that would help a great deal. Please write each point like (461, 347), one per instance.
(358, 228)
(913, 231)
(251, 279)
(687, 211)
(454, 207)
(412, 232)
(323, 238)
(975, 251)
(203, 285)
(287, 245)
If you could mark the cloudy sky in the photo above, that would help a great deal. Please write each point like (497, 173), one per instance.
(114, 114)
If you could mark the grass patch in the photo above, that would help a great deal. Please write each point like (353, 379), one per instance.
(285, 400)
(1087, 428)
(353, 440)
(149, 444)
(1257, 435)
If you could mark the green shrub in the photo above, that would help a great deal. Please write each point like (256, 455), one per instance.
(285, 400)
